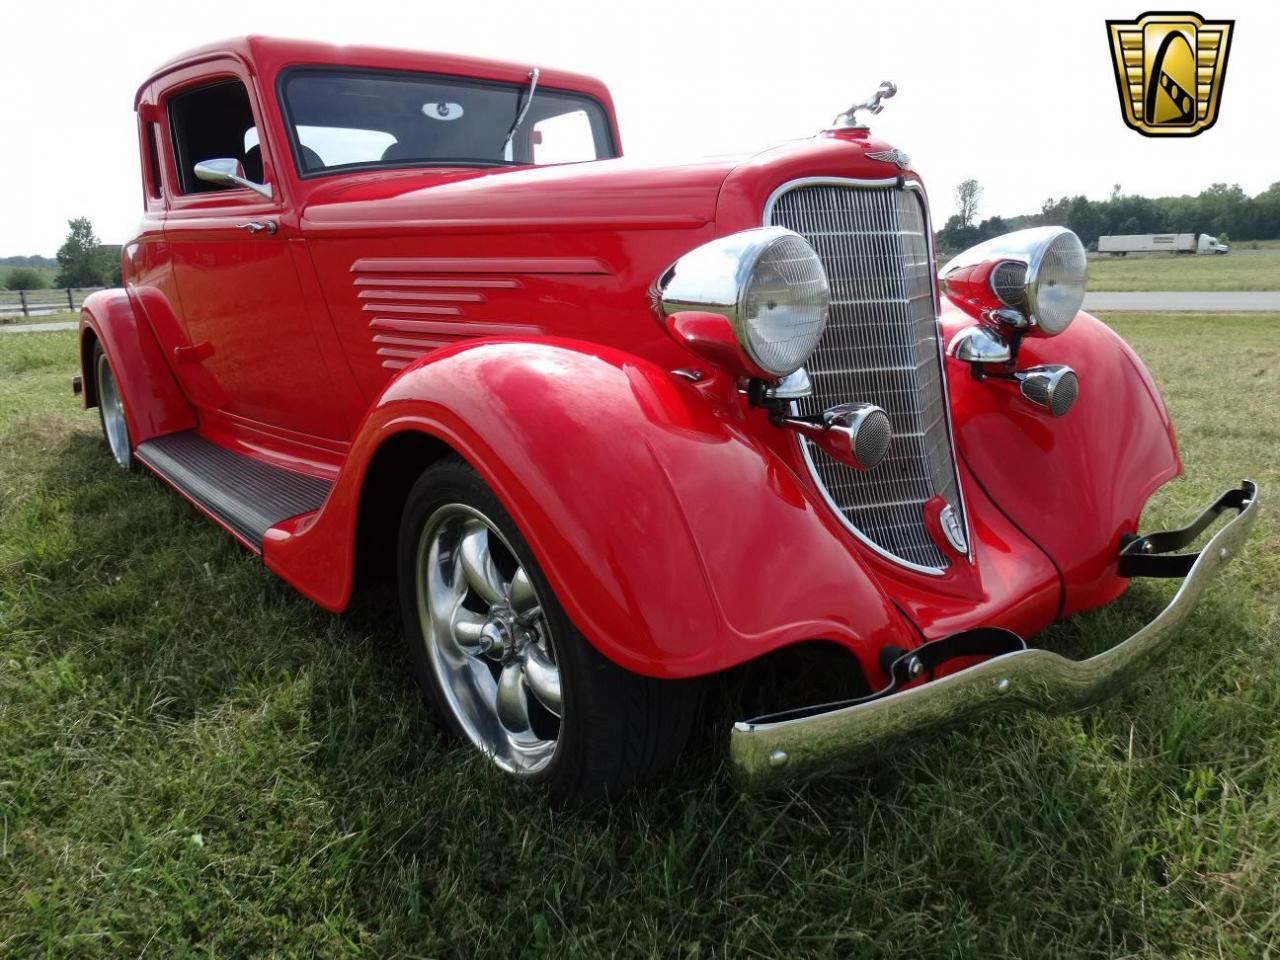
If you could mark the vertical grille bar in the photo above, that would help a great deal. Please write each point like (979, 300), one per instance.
(881, 346)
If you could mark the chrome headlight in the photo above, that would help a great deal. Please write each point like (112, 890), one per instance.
(1041, 273)
(770, 286)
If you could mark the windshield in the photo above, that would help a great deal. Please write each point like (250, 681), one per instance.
(345, 119)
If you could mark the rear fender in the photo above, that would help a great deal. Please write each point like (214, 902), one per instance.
(678, 544)
(153, 403)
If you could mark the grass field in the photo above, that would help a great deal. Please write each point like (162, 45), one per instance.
(196, 762)
(1238, 270)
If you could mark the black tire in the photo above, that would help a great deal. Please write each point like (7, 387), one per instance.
(617, 728)
(121, 445)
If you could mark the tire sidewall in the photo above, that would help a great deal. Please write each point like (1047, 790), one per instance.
(100, 356)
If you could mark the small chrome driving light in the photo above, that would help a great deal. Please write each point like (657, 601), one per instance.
(767, 283)
(1052, 386)
(857, 434)
(861, 428)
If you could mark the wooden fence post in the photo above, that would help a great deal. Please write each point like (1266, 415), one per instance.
(22, 296)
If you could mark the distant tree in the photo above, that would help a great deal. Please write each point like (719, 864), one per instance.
(956, 236)
(968, 195)
(79, 258)
(1221, 210)
(25, 278)
(992, 227)
(109, 261)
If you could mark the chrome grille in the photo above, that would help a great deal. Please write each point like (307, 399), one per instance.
(881, 347)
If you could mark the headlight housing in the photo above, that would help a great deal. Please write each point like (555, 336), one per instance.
(1041, 273)
(767, 283)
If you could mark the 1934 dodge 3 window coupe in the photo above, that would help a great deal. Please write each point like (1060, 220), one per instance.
(616, 427)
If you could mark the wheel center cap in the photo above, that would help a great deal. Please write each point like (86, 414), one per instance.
(495, 637)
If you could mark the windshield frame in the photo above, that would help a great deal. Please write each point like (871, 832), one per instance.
(609, 144)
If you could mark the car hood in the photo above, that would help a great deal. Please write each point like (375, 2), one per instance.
(616, 194)
(607, 194)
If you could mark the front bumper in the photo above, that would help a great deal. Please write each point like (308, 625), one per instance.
(781, 747)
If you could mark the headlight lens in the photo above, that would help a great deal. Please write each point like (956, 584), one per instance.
(1056, 282)
(767, 282)
(783, 311)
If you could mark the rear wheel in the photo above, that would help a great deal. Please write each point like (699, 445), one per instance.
(115, 427)
(497, 654)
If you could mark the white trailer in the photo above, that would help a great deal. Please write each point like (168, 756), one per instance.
(1187, 243)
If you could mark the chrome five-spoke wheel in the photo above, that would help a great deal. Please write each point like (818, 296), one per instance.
(487, 636)
(114, 426)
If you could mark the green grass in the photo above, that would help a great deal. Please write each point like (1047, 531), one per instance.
(196, 762)
(1238, 270)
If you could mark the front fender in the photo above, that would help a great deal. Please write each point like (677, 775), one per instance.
(1076, 484)
(153, 402)
(678, 544)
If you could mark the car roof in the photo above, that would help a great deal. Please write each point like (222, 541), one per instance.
(269, 55)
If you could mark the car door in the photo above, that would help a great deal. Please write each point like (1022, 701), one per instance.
(252, 355)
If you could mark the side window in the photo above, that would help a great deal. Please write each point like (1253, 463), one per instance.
(564, 138)
(213, 123)
(150, 132)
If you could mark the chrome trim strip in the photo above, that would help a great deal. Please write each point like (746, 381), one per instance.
(824, 182)
(908, 184)
(767, 753)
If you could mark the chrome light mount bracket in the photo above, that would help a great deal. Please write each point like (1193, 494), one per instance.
(982, 346)
(991, 356)
(794, 386)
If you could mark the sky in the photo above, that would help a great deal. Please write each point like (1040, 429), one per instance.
(1020, 96)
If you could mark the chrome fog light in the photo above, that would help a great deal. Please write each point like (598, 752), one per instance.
(1052, 386)
(864, 428)
(854, 433)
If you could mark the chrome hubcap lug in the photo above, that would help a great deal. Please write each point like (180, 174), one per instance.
(493, 639)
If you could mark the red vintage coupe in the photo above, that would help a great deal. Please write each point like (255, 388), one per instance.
(615, 427)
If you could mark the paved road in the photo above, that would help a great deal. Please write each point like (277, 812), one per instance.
(37, 327)
(1196, 301)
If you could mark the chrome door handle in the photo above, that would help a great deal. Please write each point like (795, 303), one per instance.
(259, 226)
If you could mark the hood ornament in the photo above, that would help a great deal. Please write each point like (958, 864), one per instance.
(848, 120)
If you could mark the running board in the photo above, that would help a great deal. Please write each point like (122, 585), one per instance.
(246, 496)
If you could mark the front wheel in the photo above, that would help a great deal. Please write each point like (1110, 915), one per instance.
(496, 653)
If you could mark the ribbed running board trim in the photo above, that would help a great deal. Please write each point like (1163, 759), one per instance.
(248, 496)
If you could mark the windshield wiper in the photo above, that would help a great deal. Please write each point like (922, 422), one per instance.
(533, 86)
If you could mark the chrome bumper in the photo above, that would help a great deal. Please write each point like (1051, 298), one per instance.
(803, 743)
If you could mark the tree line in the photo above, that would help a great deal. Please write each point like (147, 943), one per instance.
(83, 261)
(1223, 210)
